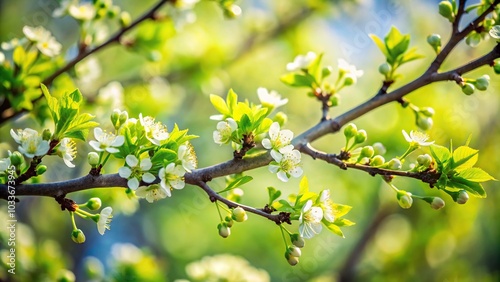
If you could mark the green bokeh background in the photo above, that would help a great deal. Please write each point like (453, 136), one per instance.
(457, 243)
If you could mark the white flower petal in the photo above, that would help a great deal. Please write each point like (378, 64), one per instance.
(95, 145)
(282, 176)
(131, 160)
(133, 183)
(148, 177)
(276, 156)
(119, 140)
(146, 164)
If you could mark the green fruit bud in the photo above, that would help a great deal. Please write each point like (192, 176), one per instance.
(64, 275)
(468, 89)
(437, 203)
(424, 160)
(334, 100)
(379, 148)
(483, 82)
(367, 152)
(123, 117)
(125, 19)
(360, 137)
(425, 123)
(297, 240)
(446, 10)
(496, 67)
(394, 164)
(349, 80)
(93, 159)
(239, 214)
(46, 134)
(350, 131)
(404, 199)
(115, 118)
(94, 204)
(434, 40)
(378, 160)
(77, 236)
(326, 71)
(280, 118)
(41, 169)
(462, 197)
(16, 159)
(384, 69)
(427, 111)
(224, 230)
(291, 259)
(294, 251)
(229, 221)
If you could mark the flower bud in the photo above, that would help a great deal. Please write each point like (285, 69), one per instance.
(113, 11)
(115, 117)
(235, 195)
(334, 100)
(350, 131)
(378, 160)
(46, 134)
(379, 148)
(367, 152)
(394, 164)
(125, 19)
(41, 169)
(281, 118)
(229, 221)
(404, 199)
(435, 41)
(424, 160)
(16, 159)
(297, 240)
(291, 259)
(425, 123)
(437, 203)
(123, 117)
(232, 11)
(462, 197)
(77, 236)
(94, 204)
(93, 159)
(224, 230)
(360, 137)
(468, 89)
(384, 68)
(239, 214)
(326, 71)
(446, 10)
(64, 275)
(427, 111)
(496, 67)
(294, 251)
(349, 80)
(483, 82)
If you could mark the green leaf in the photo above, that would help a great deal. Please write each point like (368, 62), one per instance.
(333, 228)
(411, 55)
(395, 42)
(273, 194)
(464, 157)
(340, 210)
(315, 68)
(343, 222)
(473, 188)
(303, 185)
(231, 100)
(52, 103)
(475, 174)
(245, 124)
(440, 154)
(160, 158)
(237, 183)
(283, 205)
(219, 104)
(380, 44)
(297, 80)
(19, 55)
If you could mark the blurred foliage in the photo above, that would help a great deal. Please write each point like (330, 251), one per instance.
(173, 83)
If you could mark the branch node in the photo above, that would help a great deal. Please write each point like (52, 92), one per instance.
(66, 204)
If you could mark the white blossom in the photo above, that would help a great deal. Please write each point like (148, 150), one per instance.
(136, 169)
(286, 164)
(106, 141)
(31, 143)
(4, 164)
(43, 39)
(310, 220)
(271, 98)
(84, 11)
(349, 71)
(155, 131)
(301, 62)
(104, 220)
(172, 176)
(153, 192)
(224, 131)
(279, 139)
(187, 156)
(326, 205)
(67, 150)
(417, 138)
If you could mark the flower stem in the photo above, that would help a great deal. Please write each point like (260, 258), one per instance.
(283, 235)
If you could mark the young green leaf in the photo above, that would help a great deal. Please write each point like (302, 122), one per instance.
(298, 80)
(231, 100)
(380, 44)
(475, 174)
(237, 183)
(333, 228)
(219, 104)
(464, 157)
(273, 194)
(441, 154)
(473, 188)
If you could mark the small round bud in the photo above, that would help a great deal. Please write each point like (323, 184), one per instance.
(123, 117)
(427, 111)
(125, 19)
(239, 214)
(425, 123)
(404, 199)
(224, 230)
(434, 40)
(361, 136)
(437, 203)
(468, 89)
(349, 80)
(364, 161)
(280, 118)
(367, 152)
(232, 11)
(77, 236)
(46, 134)
(93, 159)
(462, 197)
(229, 221)
(41, 169)
(297, 240)
(394, 164)
(446, 10)
(94, 204)
(350, 130)
(334, 100)
(483, 82)
(496, 67)
(294, 251)
(379, 148)
(378, 160)
(64, 275)
(291, 259)
(16, 158)
(115, 117)
(384, 68)
(235, 195)
(113, 11)
(424, 160)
